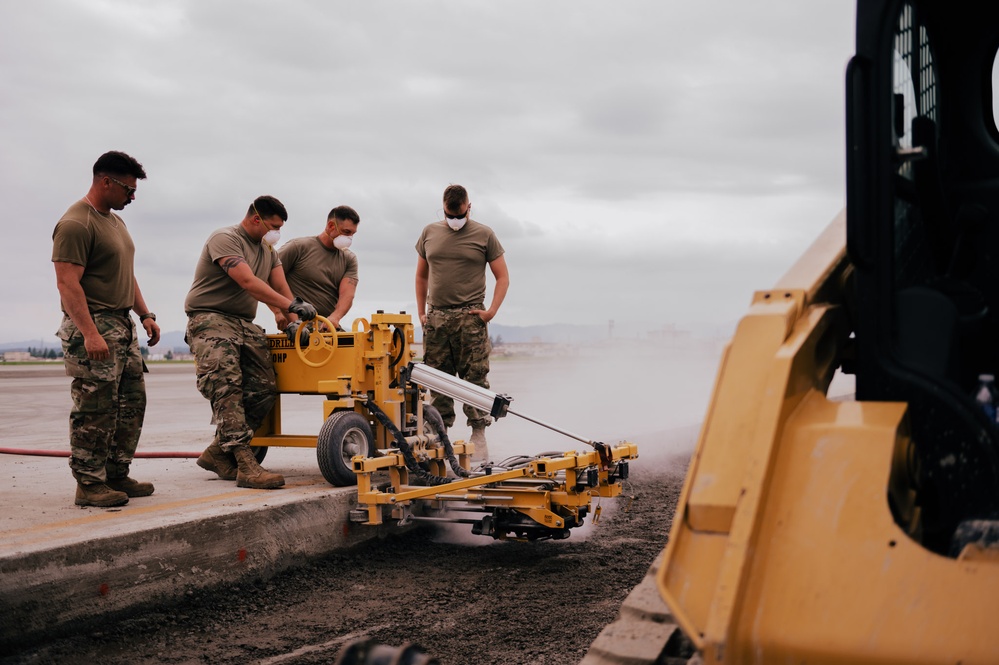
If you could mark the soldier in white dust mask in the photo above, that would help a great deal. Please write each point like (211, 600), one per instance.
(322, 268)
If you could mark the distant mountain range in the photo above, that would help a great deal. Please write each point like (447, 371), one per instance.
(555, 333)
(171, 340)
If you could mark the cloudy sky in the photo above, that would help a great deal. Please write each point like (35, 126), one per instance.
(647, 162)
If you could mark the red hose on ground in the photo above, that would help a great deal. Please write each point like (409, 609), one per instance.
(65, 453)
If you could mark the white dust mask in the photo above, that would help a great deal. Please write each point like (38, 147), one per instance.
(456, 223)
(342, 242)
(273, 235)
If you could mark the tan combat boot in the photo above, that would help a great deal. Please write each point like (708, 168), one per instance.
(130, 487)
(251, 474)
(99, 495)
(478, 438)
(218, 461)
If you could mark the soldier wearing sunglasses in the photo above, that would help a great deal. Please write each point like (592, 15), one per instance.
(93, 255)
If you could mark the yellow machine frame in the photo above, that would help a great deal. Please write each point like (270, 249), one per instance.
(784, 547)
(348, 368)
(560, 502)
(365, 372)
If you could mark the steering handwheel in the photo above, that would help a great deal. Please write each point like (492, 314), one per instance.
(319, 344)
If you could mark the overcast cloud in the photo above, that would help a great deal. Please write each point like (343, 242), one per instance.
(648, 162)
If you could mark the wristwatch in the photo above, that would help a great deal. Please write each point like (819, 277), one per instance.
(147, 315)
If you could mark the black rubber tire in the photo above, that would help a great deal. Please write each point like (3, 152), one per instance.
(344, 434)
(260, 452)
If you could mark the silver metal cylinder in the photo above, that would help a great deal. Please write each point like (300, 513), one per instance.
(494, 404)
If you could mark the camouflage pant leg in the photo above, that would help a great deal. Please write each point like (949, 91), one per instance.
(109, 399)
(457, 342)
(131, 411)
(437, 354)
(234, 373)
(259, 381)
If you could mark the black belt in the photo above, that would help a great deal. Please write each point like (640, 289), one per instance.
(114, 312)
(452, 307)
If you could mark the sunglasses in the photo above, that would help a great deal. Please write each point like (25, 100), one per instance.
(128, 190)
(450, 216)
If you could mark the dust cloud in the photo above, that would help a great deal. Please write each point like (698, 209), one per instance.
(648, 392)
(651, 393)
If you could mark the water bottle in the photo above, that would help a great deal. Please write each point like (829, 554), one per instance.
(985, 396)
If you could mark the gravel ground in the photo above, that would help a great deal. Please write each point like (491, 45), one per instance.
(463, 598)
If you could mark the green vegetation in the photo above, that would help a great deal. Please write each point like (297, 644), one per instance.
(48, 354)
(12, 363)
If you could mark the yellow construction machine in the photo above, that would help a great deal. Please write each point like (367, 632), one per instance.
(864, 527)
(381, 433)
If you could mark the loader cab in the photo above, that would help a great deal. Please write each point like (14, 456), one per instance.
(923, 240)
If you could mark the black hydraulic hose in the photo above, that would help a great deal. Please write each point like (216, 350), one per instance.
(407, 450)
(398, 336)
(438, 426)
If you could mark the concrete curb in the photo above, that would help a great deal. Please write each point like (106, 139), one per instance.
(644, 632)
(43, 592)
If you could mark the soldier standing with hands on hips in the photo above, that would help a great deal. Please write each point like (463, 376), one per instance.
(450, 295)
(93, 255)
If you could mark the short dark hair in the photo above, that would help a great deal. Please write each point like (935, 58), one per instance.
(267, 206)
(454, 197)
(345, 213)
(118, 163)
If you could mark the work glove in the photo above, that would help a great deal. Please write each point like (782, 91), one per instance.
(296, 327)
(302, 309)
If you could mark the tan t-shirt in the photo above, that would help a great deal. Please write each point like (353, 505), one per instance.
(103, 246)
(314, 272)
(458, 262)
(213, 290)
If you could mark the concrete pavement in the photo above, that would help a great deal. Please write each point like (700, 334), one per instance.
(61, 564)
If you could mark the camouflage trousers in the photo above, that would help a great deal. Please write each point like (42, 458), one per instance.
(235, 373)
(109, 398)
(457, 342)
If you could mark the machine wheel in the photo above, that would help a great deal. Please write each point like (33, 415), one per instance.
(260, 452)
(344, 434)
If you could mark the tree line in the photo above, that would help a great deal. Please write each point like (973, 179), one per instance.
(52, 354)
(49, 354)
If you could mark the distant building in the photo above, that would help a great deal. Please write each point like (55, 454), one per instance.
(17, 357)
(535, 348)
